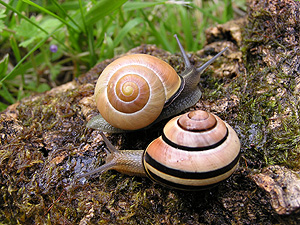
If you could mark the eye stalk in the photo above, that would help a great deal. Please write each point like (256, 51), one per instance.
(135, 91)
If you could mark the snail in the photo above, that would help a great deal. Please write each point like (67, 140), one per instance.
(196, 151)
(138, 90)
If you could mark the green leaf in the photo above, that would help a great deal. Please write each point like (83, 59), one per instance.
(38, 45)
(187, 29)
(206, 13)
(2, 25)
(101, 9)
(27, 42)
(14, 46)
(159, 35)
(2, 106)
(51, 14)
(62, 10)
(109, 47)
(43, 87)
(4, 93)
(3, 65)
(15, 10)
(128, 6)
(50, 24)
(29, 32)
(55, 70)
(2, 13)
(26, 29)
(124, 31)
(228, 10)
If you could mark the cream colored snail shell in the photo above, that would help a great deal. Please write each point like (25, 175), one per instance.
(131, 92)
(196, 151)
(137, 90)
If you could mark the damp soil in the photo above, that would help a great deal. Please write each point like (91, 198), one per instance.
(254, 86)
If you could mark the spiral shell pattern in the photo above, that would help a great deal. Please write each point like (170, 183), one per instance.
(196, 151)
(131, 91)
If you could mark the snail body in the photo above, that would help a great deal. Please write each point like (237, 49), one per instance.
(137, 90)
(197, 150)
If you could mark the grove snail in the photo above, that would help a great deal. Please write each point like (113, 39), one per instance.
(136, 90)
(196, 151)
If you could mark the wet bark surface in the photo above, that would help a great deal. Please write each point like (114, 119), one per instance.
(254, 86)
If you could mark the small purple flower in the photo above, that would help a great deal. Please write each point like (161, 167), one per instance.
(53, 48)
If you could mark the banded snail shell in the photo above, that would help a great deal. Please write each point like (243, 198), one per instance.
(131, 91)
(196, 151)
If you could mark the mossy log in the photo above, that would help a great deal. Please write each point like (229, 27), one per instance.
(254, 86)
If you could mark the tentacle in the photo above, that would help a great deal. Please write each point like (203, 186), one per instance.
(186, 60)
(205, 65)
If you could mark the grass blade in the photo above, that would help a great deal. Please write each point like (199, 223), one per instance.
(15, 48)
(39, 44)
(128, 6)
(78, 29)
(4, 93)
(3, 65)
(102, 9)
(65, 13)
(124, 31)
(207, 14)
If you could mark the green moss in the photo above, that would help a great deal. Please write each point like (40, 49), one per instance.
(32, 178)
(269, 100)
(48, 146)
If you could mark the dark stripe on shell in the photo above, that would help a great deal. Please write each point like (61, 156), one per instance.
(173, 185)
(187, 148)
(188, 175)
(177, 93)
